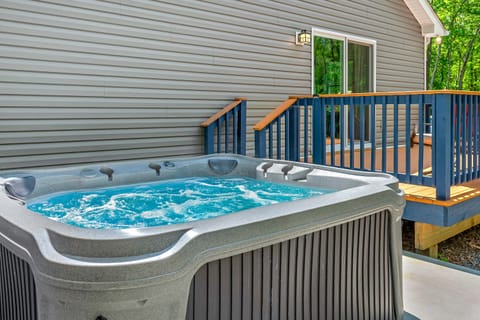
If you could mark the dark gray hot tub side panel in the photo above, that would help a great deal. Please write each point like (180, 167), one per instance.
(342, 272)
(18, 298)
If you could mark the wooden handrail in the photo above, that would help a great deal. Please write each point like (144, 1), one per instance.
(388, 93)
(220, 113)
(274, 114)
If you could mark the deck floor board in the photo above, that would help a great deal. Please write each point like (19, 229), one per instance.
(458, 193)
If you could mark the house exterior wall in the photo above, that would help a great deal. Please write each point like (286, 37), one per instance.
(85, 80)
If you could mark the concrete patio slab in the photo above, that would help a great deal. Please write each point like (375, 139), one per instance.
(436, 290)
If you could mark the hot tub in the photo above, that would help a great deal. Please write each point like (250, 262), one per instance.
(332, 256)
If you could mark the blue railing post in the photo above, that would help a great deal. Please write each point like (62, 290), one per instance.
(208, 139)
(260, 144)
(442, 133)
(319, 135)
(242, 145)
(294, 133)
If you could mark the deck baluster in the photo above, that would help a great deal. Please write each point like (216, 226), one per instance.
(351, 137)
(234, 129)
(270, 141)
(463, 144)
(384, 134)
(286, 121)
(421, 113)
(279, 139)
(362, 133)
(458, 139)
(372, 134)
(407, 135)
(332, 131)
(305, 130)
(219, 136)
(227, 134)
(395, 135)
(342, 132)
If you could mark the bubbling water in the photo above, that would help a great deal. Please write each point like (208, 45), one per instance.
(164, 203)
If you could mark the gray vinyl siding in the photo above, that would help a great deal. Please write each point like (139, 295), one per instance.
(93, 81)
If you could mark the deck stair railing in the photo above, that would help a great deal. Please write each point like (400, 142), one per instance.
(282, 127)
(386, 132)
(225, 131)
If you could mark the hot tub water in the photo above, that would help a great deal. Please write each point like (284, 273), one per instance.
(164, 203)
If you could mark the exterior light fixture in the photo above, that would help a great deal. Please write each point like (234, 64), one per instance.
(438, 40)
(303, 37)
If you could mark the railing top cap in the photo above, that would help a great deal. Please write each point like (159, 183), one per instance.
(274, 114)
(388, 93)
(220, 113)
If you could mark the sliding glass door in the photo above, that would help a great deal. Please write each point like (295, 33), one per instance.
(343, 64)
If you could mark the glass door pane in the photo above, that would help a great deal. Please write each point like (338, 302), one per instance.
(328, 70)
(359, 80)
(328, 65)
(358, 68)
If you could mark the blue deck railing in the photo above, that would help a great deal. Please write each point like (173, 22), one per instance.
(225, 132)
(464, 147)
(428, 138)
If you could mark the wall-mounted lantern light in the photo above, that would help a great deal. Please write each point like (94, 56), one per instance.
(438, 40)
(303, 37)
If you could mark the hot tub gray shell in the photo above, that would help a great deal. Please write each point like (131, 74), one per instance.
(146, 273)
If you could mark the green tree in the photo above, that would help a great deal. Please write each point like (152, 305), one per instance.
(455, 63)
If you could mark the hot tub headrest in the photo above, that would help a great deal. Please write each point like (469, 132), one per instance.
(223, 165)
(19, 187)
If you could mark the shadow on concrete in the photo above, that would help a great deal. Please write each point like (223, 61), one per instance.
(409, 316)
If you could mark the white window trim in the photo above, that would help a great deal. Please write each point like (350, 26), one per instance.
(346, 38)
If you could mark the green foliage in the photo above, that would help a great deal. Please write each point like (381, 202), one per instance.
(455, 63)
(443, 258)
